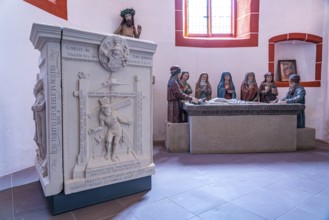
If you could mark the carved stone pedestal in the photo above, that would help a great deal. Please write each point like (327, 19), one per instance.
(93, 114)
(177, 137)
(305, 138)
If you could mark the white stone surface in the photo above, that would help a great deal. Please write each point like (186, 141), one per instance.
(99, 148)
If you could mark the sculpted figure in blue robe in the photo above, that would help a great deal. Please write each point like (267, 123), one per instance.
(225, 88)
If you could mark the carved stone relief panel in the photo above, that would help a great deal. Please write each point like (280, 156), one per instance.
(108, 139)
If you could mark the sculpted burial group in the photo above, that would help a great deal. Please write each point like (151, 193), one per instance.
(180, 90)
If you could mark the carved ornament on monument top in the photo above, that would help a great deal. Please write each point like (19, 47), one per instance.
(113, 53)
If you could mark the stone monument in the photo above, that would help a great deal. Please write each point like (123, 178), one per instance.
(93, 116)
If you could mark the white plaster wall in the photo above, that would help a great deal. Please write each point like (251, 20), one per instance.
(325, 78)
(18, 59)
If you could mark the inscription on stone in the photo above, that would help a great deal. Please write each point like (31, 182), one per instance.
(114, 178)
(54, 108)
(139, 122)
(140, 60)
(79, 52)
(113, 169)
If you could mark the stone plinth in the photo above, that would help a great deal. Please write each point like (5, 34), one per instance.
(177, 137)
(93, 110)
(242, 127)
(305, 138)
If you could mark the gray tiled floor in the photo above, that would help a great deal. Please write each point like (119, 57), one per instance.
(282, 186)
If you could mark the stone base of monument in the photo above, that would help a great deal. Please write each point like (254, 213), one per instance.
(63, 203)
(177, 137)
(305, 138)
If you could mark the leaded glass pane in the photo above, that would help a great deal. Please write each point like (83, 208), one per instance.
(221, 11)
(197, 17)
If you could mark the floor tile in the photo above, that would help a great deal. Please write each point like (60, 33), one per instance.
(228, 191)
(230, 212)
(197, 201)
(42, 214)
(287, 194)
(300, 214)
(6, 204)
(140, 199)
(262, 204)
(303, 184)
(317, 205)
(124, 215)
(162, 210)
(325, 192)
(28, 198)
(25, 176)
(98, 211)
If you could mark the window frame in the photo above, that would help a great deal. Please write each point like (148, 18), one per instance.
(209, 22)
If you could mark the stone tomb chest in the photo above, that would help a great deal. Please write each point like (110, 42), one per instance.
(93, 114)
(235, 126)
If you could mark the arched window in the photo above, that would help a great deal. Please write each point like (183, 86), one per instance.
(216, 23)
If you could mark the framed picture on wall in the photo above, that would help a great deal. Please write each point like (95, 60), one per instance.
(286, 68)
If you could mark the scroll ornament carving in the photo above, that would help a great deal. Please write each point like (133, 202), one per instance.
(113, 53)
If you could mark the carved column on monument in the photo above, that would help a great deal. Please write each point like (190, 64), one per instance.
(47, 109)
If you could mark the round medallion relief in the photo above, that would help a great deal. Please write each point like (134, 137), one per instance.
(113, 53)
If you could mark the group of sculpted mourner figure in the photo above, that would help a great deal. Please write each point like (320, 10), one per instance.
(180, 90)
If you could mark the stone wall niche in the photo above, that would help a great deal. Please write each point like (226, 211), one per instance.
(305, 48)
(93, 116)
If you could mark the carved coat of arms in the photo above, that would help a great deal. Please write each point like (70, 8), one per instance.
(113, 53)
